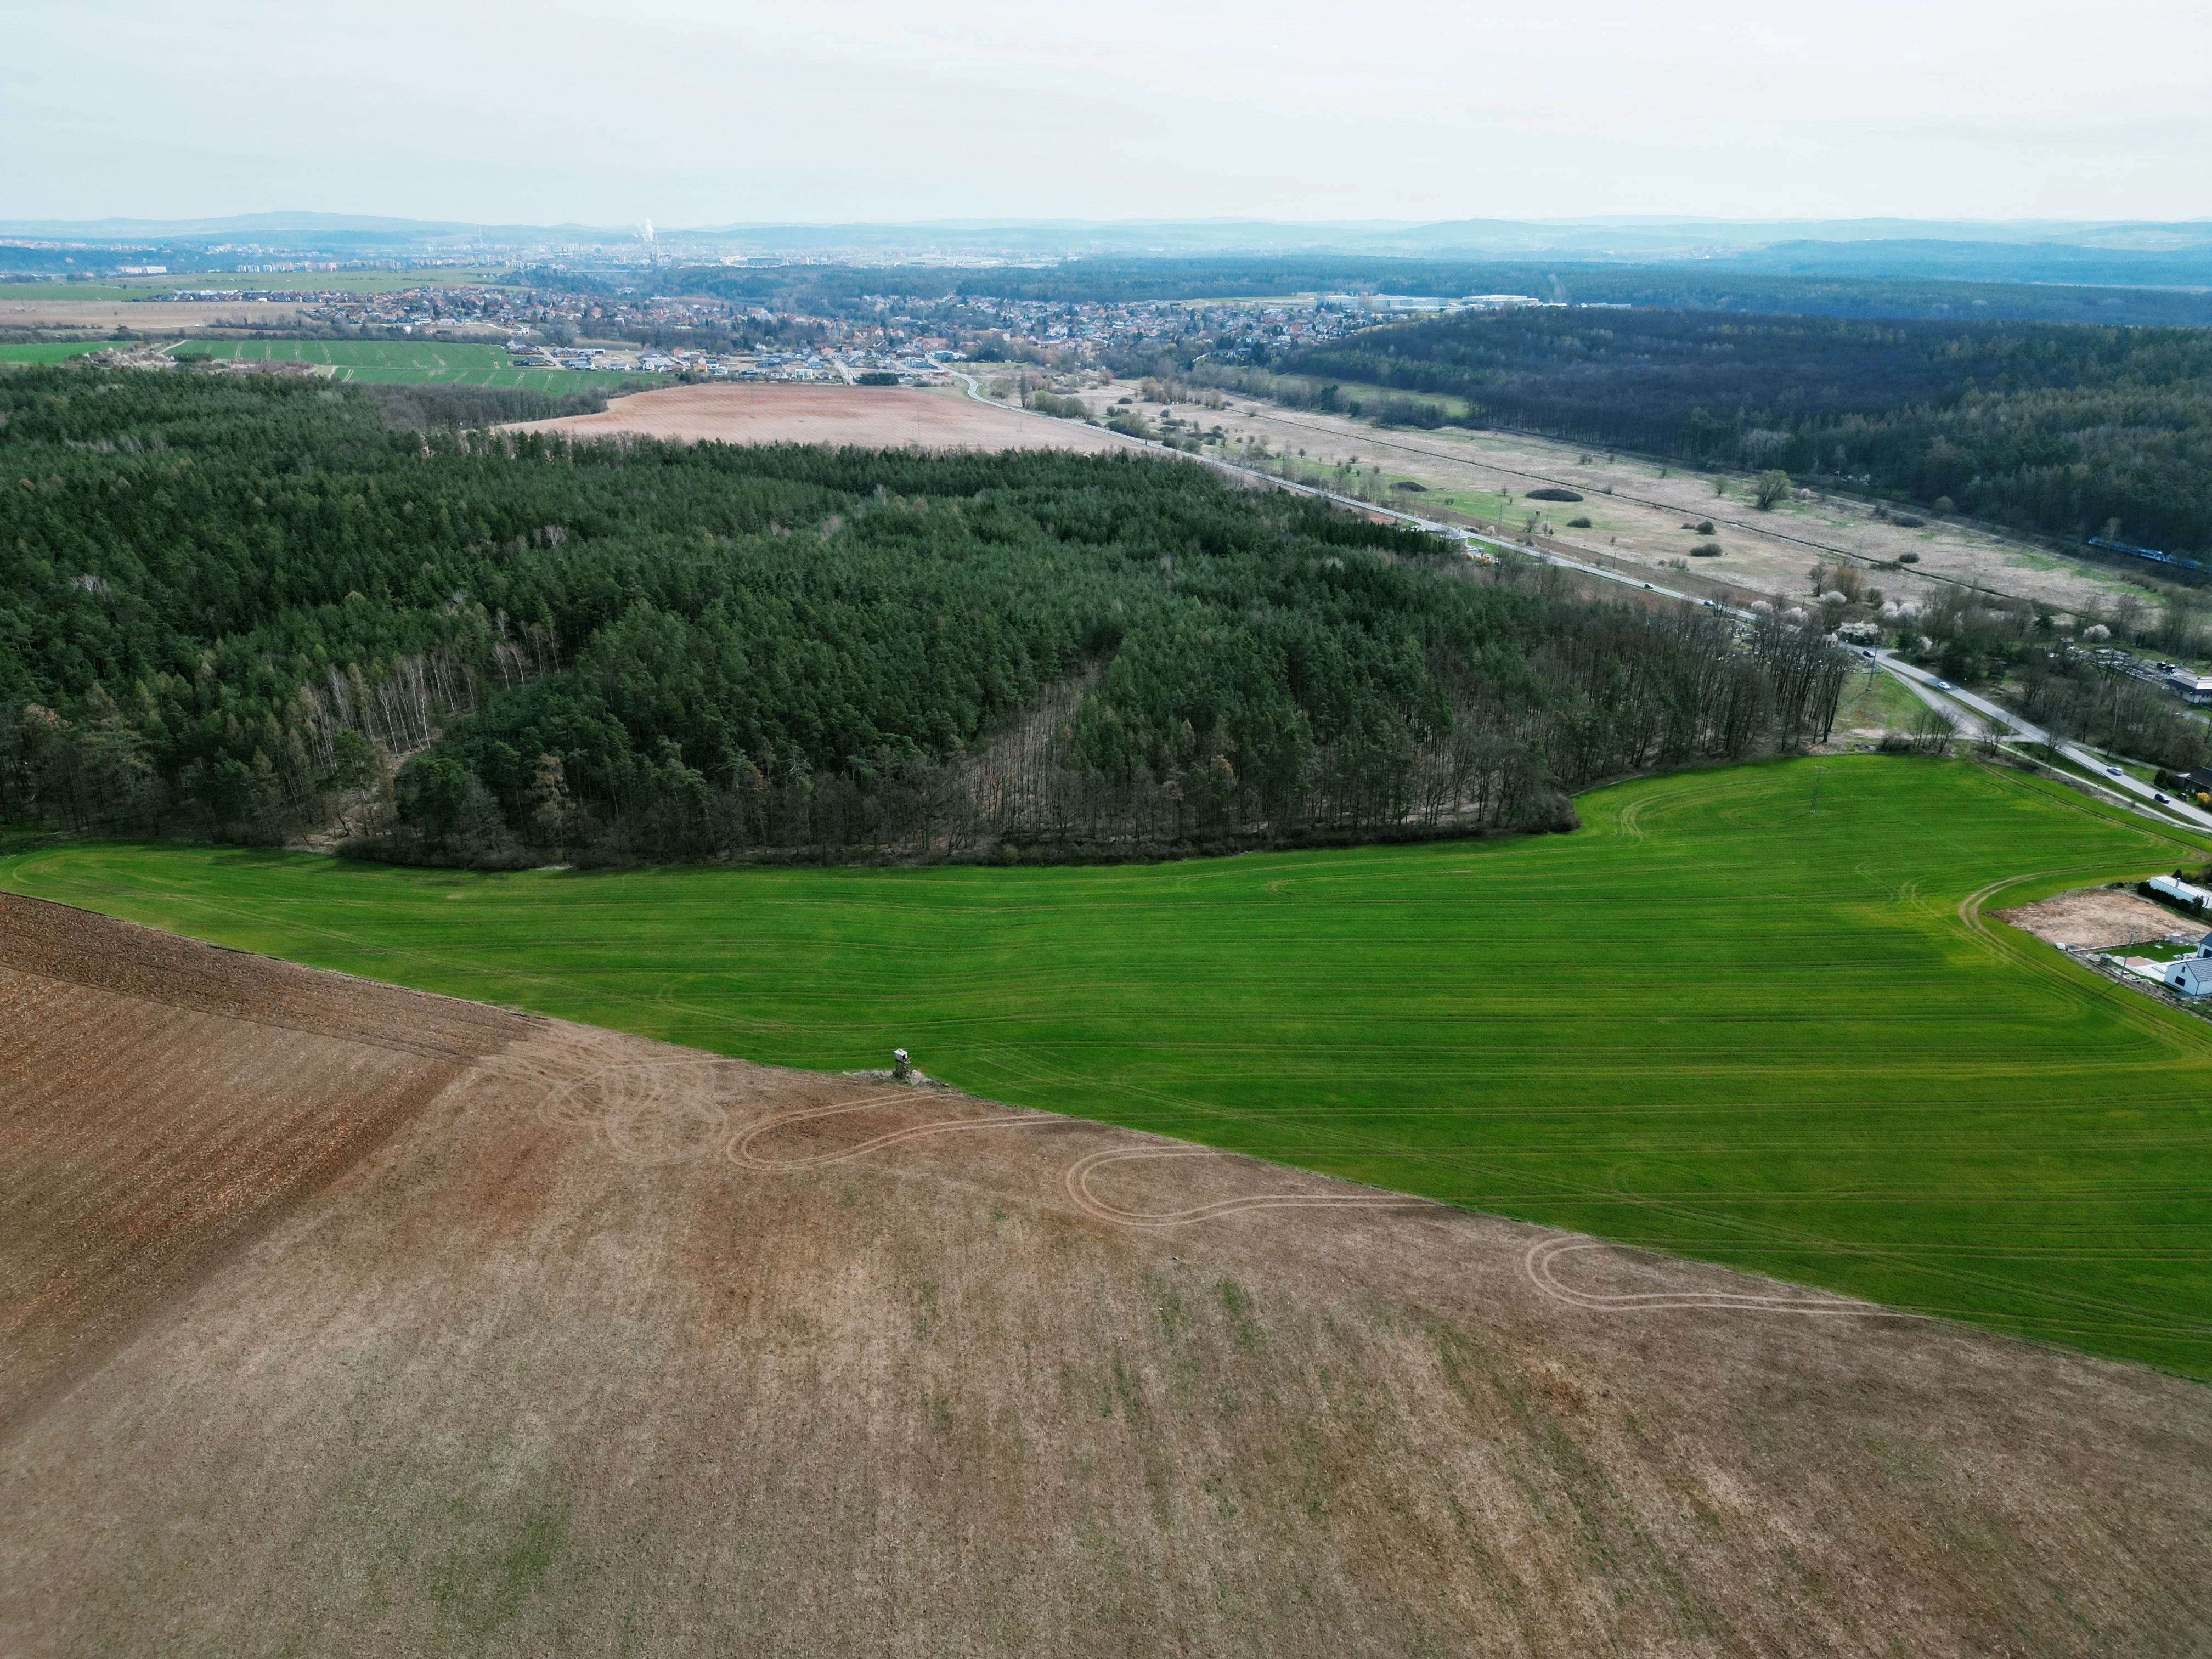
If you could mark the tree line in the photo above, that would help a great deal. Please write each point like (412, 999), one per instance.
(2069, 430)
(252, 608)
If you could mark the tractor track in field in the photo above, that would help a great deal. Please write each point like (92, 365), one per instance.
(1077, 1181)
(687, 1106)
(740, 1150)
(1538, 1264)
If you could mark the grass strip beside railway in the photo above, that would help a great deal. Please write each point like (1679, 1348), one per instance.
(1712, 1022)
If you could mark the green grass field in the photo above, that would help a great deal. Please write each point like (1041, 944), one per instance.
(415, 362)
(1711, 1022)
(1872, 700)
(36, 353)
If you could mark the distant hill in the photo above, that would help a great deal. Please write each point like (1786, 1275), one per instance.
(2119, 251)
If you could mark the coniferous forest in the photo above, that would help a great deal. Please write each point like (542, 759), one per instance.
(254, 608)
(2070, 430)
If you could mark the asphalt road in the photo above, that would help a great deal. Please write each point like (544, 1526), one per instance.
(1978, 715)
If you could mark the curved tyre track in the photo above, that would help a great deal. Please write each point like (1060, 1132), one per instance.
(1538, 1264)
(684, 1107)
(739, 1149)
(1077, 1180)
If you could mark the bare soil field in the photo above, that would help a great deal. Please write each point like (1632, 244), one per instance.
(2099, 919)
(1648, 519)
(145, 317)
(862, 417)
(594, 1344)
(159, 1099)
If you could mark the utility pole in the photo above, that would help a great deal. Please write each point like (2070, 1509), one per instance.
(1816, 787)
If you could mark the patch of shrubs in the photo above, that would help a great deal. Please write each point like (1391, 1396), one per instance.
(1578, 523)
(1706, 550)
(1405, 411)
(1553, 493)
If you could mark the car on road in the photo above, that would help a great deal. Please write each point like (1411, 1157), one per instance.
(2113, 771)
(2160, 798)
(1944, 685)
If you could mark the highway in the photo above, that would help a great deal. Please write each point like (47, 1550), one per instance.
(1976, 714)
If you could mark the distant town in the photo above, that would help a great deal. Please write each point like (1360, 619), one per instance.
(625, 330)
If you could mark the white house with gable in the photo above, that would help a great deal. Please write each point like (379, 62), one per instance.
(2191, 975)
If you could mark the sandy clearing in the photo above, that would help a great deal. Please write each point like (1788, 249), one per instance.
(614, 1346)
(145, 317)
(2099, 919)
(863, 417)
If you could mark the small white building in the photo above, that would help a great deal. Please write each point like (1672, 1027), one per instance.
(2178, 891)
(2191, 975)
(2193, 687)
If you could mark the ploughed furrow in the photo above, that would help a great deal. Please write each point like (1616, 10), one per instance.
(142, 1135)
(58, 943)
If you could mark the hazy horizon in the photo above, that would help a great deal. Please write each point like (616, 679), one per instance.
(869, 112)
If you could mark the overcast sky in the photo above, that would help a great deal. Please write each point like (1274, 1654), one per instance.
(710, 112)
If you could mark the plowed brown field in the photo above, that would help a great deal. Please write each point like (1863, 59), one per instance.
(861, 417)
(473, 1332)
(146, 316)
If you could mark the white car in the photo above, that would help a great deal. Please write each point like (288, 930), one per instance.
(1944, 685)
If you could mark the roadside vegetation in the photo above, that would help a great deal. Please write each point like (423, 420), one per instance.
(2046, 666)
(1714, 1022)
